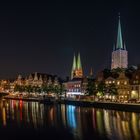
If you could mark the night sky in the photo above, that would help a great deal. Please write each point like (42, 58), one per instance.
(42, 37)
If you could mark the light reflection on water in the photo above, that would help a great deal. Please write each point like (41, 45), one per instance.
(81, 122)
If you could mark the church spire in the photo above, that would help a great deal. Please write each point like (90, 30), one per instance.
(91, 72)
(74, 63)
(74, 66)
(120, 54)
(79, 65)
(119, 36)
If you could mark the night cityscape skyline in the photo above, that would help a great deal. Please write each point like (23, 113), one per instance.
(70, 70)
(44, 37)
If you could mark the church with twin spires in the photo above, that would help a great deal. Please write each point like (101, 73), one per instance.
(76, 71)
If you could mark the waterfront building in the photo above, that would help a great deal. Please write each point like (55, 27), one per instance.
(110, 80)
(135, 84)
(20, 80)
(38, 79)
(122, 84)
(76, 86)
(123, 87)
(78, 83)
(119, 54)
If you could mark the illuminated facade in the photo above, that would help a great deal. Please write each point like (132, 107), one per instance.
(135, 84)
(78, 83)
(119, 54)
(37, 79)
(123, 87)
(77, 71)
(76, 86)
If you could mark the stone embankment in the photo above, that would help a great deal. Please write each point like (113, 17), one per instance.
(132, 107)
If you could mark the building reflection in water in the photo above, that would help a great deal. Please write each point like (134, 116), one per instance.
(79, 121)
(71, 116)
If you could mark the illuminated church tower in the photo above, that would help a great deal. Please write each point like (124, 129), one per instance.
(119, 54)
(77, 71)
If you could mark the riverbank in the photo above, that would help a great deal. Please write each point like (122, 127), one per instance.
(21, 98)
(32, 99)
(131, 107)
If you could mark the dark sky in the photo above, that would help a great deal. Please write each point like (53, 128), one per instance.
(42, 37)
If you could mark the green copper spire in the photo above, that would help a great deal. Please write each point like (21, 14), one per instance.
(79, 65)
(73, 67)
(74, 63)
(119, 36)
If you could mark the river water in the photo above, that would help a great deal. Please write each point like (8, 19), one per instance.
(32, 120)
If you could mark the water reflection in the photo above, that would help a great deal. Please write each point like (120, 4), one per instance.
(81, 122)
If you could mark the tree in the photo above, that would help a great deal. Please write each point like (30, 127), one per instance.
(91, 88)
(19, 88)
(106, 73)
(45, 88)
(50, 88)
(129, 71)
(56, 89)
(28, 89)
(112, 89)
(62, 90)
(101, 88)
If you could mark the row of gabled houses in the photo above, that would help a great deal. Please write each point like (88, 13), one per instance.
(33, 79)
(38, 79)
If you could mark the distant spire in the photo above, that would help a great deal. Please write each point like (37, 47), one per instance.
(73, 66)
(119, 36)
(74, 63)
(79, 65)
(91, 72)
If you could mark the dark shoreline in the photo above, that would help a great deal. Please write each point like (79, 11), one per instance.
(129, 107)
(107, 105)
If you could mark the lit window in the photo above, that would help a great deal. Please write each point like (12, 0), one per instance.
(125, 82)
(118, 82)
